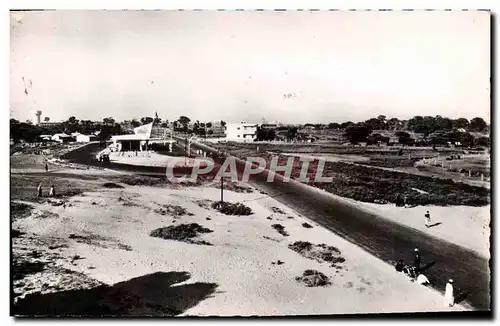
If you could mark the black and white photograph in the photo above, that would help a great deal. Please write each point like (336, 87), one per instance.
(253, 163)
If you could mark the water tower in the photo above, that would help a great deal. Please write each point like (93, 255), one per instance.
(35, 117)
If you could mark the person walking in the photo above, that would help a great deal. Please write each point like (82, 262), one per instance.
(427, 219)
(52, 192)
(416, 258)
(39, 190)
(449, 296)
(46, 167)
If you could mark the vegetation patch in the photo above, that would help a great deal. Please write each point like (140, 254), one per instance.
(321, 253)
(313, 278)
(112, 185)
(20, 210)
(281, 229)
(307, 225)
(184, 233)
(232, 208)
(277, 210)
(174, 210)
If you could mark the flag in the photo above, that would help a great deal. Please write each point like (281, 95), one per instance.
(144, 130)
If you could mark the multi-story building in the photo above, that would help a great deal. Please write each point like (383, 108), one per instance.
(243, 131)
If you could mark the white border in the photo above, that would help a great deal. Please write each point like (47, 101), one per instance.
(185, 4)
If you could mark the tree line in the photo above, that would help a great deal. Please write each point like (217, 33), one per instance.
(107, 127)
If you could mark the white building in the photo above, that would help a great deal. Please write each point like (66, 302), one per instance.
(62, 138)
(244, 132)
(142, 139)
(80, 138)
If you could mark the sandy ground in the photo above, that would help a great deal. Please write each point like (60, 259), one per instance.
(237, 271)
(152, 159)
(465, 226)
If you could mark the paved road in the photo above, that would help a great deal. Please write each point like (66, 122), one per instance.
(384, 239)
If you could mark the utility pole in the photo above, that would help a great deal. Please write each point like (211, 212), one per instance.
(222, 189)
(186, 152)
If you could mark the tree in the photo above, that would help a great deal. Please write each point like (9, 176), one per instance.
(346, 125)
(46, 119)
(477, 124)
(134, 123)
(405, 138)
(164, 125)
(292, 132)
(265, 134)
(209, 125)
(223, 123)
(333, 125)
(381, 117)
(357, 133)
(377, 138)
(393, 123)
(108, 121)
(460, 123)
(482, 141)
(375, 124)
(146, 120)
(184, 121)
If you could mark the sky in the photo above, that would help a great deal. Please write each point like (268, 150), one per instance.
(293, 67)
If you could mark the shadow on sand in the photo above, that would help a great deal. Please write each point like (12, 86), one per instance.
(435, 224)
(149, 295)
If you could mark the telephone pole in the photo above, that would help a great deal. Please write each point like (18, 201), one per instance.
(222, 189)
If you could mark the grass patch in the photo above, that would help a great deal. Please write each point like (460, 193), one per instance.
(174, 210)
(20, 210)
(281, 229)
(112, 185)
(313, 278)
(232, 208)
(307, 225)
(184, 233)
(277, 210)
(321, 253)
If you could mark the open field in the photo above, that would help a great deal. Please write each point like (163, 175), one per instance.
(381, 185)
(94, 251)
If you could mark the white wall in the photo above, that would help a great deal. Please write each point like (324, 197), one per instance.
(244, 132)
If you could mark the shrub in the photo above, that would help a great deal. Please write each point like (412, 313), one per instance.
(313, 278)
(280, 228)
(183, 232)
(232, 208)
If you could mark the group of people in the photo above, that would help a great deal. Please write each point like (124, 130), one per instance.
(415, 274)
(52, 191)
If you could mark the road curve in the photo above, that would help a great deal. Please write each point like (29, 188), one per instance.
(383, 238)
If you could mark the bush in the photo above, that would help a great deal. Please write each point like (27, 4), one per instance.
(183, 232)
(232, 208)
(313, 278)
(112, 185)
(281, 229)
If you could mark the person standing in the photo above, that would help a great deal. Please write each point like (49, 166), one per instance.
(416, 258)
(52, 192)
(46, 167)
(449, 297)
(39, 190)
(427, 219)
